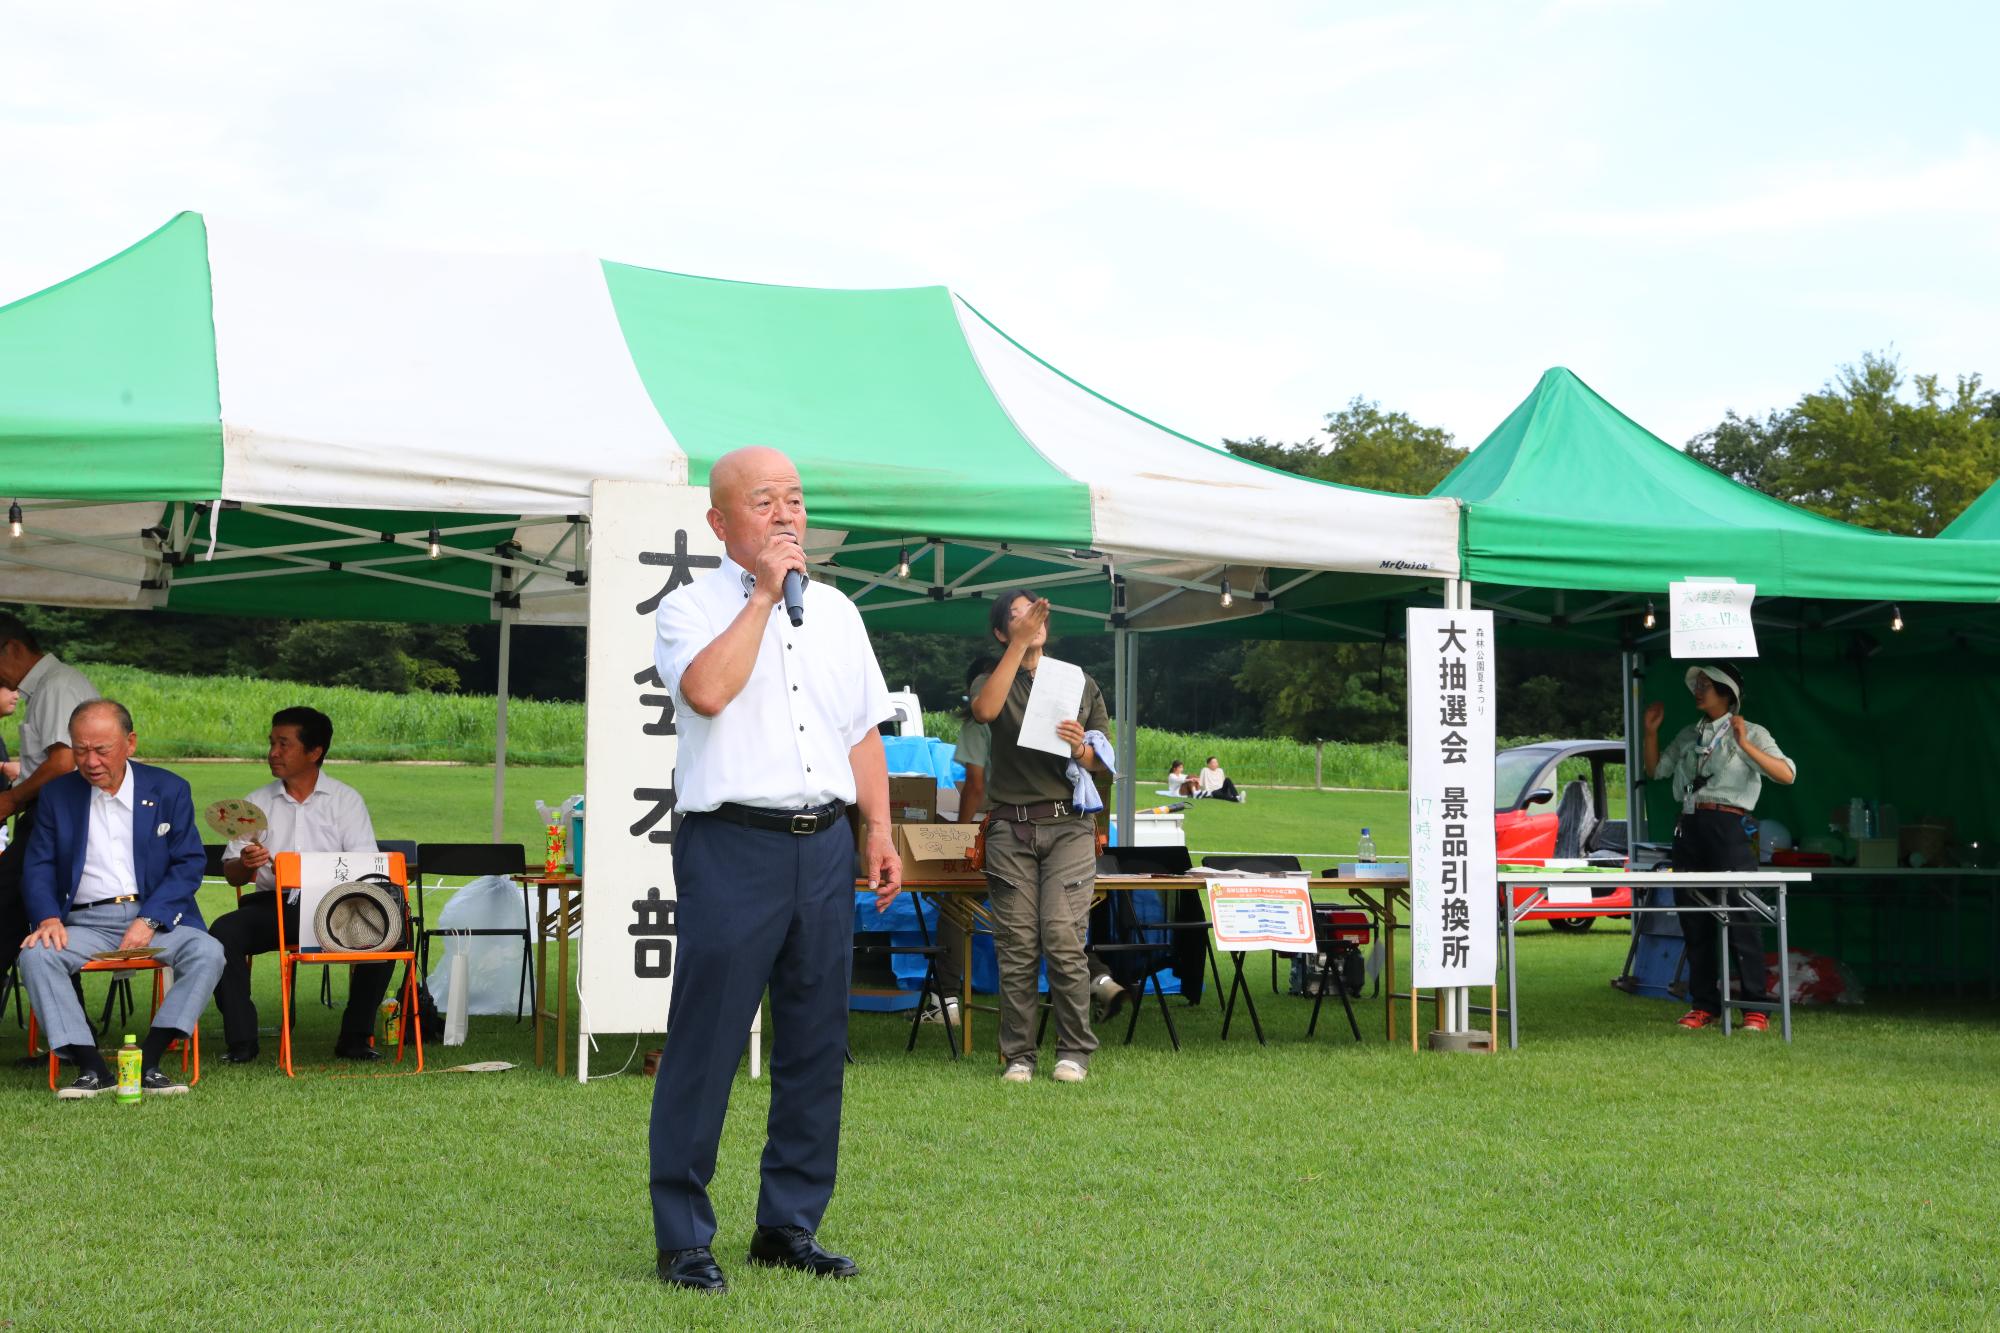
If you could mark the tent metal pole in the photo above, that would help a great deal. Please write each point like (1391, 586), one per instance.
(1124, 691)
(500, 720)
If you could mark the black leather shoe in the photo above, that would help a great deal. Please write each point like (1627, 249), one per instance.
(694, 1269)
(239, 1055)
(355, 1048)
(794, 1247)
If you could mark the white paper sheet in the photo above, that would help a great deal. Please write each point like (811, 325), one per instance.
(1711, 619)
(1056, 697)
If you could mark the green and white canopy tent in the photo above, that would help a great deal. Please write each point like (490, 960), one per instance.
(224, 420)
(221, 419)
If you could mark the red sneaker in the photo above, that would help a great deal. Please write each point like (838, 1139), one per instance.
(1697, 1018)
(1755, 1021)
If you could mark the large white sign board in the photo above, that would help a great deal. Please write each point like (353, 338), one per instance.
(1710, 618)
(1453, 889)
(646, 541)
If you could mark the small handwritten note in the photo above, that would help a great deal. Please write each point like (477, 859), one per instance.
(1711, 618)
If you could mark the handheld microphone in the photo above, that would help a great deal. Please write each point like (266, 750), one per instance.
(795, 597)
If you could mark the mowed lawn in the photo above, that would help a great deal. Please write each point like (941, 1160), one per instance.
(1614, 1171)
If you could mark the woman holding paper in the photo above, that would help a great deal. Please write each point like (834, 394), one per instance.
(1041, 845)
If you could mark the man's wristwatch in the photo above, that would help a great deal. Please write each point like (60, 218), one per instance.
(154, 923)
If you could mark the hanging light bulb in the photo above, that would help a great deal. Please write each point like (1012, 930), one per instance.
(1651, 619)
(1228, 599)
(1896, 620)
(14, 519)
(903, 564)
(437, 543)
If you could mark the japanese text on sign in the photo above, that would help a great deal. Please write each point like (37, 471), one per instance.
(1452, 885)
(647, 543)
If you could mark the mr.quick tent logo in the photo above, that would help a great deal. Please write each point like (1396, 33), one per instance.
(1407, 566)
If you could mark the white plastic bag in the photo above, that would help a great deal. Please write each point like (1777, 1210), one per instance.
(493, 962)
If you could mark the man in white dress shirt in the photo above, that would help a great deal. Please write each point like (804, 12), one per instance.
(113, 862)
(309, 811)
(777, 737)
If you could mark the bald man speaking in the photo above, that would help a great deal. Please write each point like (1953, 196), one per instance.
(778, 737)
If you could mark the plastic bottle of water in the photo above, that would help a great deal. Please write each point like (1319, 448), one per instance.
(128, 1071)
(1365, 853)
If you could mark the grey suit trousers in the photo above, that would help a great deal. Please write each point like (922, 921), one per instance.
(189, 950)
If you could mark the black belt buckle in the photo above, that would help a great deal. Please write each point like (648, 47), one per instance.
(805, 824)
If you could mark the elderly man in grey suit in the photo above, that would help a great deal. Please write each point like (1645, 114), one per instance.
(113, 862)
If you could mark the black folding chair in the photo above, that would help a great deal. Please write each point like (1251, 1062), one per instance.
(1154, 945)
(472, 859)
(930, 951)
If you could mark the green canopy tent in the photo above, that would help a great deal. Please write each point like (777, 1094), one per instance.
(224, 420)
(1878, 652)
(1980, 521)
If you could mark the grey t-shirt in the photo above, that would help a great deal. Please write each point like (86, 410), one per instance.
(1708, 750)
(50, 692)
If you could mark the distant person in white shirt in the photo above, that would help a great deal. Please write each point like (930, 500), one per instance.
(777, 738)
(1211, 781)
(308, 811)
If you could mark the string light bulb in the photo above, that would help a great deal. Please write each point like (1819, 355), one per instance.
(14, 519)
(1896, 619)
(903, 564)
(1651, 619)
(437, 543)
(1228, 598)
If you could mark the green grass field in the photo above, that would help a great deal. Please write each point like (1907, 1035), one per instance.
(1614, 1172)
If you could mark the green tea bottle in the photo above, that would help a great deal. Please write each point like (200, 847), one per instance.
(128, 1070)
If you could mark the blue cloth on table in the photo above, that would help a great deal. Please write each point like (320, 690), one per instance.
(923, 754)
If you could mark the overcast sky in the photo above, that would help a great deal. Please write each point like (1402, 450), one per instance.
(1233, 221)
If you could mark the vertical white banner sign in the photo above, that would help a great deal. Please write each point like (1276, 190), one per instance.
(1453, 890)
(647, 541)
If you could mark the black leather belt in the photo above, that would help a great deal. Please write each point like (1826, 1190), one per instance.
(1026, 814)
(800, 822)
(105, 902)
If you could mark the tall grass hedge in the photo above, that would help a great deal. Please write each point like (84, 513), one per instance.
(184, 717)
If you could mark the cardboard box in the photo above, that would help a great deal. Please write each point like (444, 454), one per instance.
(936, 851)
(913, 800)
(1875, 853)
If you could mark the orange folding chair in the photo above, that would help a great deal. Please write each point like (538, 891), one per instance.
(290, 957)
(190, 1049)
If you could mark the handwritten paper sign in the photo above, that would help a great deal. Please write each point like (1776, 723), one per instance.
(1710, 618)
(1250, 914)
(938, 842)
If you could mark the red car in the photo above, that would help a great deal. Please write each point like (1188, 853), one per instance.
(1527, 790)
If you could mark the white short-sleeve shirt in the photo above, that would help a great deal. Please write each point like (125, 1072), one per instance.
(50, 692)
(332, 818)
(814, 694)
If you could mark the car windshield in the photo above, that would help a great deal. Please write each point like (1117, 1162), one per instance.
(1513, 770)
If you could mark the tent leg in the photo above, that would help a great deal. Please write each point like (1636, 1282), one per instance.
(1124, 689)
(500, 721)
